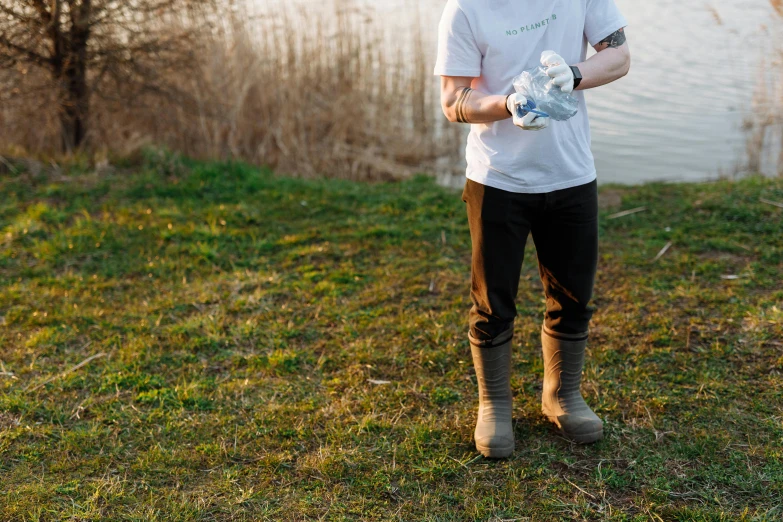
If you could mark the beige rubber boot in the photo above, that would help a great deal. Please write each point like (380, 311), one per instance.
(494, 432)
(562, 401)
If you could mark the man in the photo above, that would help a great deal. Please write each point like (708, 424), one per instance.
(529, 175)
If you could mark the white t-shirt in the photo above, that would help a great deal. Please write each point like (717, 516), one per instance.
(494, 41)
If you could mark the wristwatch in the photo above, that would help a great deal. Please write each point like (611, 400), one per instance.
(577, 75)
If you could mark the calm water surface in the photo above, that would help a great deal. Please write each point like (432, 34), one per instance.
(678, 114)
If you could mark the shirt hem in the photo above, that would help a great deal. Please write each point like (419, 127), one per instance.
(509, 187)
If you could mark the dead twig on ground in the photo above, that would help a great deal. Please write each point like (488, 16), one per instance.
(627, 212)
(769, 202)
(66, 372)
(663, 251)
(580, 489)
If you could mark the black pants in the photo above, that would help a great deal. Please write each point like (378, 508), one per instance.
(564, 224)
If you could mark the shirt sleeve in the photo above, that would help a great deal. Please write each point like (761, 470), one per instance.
(602, 19)
(458, 53)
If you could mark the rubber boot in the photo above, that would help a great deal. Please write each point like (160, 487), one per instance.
(494, 432)
(562, 401)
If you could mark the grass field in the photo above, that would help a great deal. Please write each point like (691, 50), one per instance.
(191, 341)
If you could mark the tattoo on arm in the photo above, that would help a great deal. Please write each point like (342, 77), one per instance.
(616, 39)
(462, 105)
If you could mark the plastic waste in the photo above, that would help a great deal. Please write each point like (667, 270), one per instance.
(544, 96)
(530, 106)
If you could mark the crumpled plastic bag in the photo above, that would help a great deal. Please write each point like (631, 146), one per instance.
(536, 85)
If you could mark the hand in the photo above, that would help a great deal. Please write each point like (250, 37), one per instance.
(529, 121)
(558, 70)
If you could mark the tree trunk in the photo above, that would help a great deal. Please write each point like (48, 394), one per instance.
(75, 106)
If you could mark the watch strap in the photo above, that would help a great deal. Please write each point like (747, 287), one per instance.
(577, 75)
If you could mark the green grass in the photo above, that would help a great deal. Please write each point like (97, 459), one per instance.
(242, 316)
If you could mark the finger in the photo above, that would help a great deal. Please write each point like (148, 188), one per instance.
(568, 88)
(562, 79)
(541, 123)
(528, 119)
(534, 122)
(520, 99)
(551, 59)
(558, 70)
(545, 57)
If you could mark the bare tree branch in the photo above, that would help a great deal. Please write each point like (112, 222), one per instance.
(40, 7)
(21, 17)
(92, 47)
(25, 53)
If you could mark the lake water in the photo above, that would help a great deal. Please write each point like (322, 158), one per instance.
(678, 114)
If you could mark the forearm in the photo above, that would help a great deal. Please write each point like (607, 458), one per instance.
(605, 67)
(465, 105)
(611, 63)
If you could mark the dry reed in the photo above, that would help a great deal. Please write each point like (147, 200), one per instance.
(310, 93)
(763, 126)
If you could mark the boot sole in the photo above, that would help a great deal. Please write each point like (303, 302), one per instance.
(585, 438)
(579, 438)
(495, 453)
